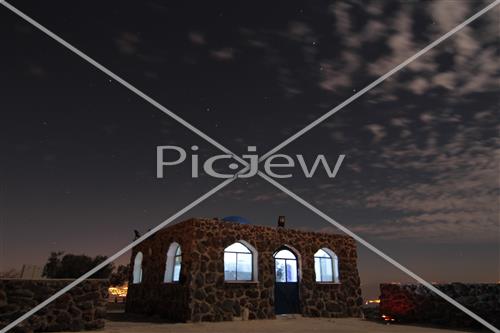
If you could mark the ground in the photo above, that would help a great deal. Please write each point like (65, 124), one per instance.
(280, 325)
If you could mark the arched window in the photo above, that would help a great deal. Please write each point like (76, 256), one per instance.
(173, 265)
(285, 266)
(137, 272)
(326, 266)
(240, 262)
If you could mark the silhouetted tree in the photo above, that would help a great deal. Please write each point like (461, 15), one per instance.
(53, 265)
(71, 266)
(120, 276)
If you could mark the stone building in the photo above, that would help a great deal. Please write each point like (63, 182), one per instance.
(214, 270)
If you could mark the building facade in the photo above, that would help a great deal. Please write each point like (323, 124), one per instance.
(214, 270)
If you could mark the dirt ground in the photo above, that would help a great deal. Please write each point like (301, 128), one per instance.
(280, 325)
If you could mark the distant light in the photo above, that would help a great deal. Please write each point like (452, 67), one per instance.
(373, 301)
(120, 291)
(387, 318)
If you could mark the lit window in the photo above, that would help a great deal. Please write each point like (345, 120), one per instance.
(177, 264)
(137, 272)
(173, 264)
(285, 266)
(326, 266)
(238, 263)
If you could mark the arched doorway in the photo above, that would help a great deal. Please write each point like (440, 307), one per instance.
(286, 286)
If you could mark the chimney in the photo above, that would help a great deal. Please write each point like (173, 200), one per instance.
(281, 221)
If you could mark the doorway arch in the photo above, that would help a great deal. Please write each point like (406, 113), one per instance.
(287, 277)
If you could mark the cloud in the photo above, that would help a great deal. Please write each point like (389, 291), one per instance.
(127, 43)
(355, 52)
(224, 54)
(437, 170)
(400, 122)
(197, 38)
(274, 197)
(337, 74)
(298, 30)
(457, 203)
(374, 30)
(418, 86)
(448, 14)
(333, 78)
(426, 117)
(432, 177)
(377, 131)
(457, 200)
(471, 51)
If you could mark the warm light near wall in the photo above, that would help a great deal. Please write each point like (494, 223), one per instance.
(120, 291)
(387, 318)
(372, 301)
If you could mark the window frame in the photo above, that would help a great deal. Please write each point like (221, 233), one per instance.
(174, 280)
(285, 260)
(334, 261)
(174, 252)
(253, 262)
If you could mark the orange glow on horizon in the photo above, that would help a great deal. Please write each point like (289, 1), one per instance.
(373, 301)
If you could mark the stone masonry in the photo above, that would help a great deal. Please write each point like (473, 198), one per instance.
(414, 303)
(203, 295)
(81, 308)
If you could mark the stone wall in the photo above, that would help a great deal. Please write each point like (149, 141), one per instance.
(153, 297)
(203, 295)
(81, 308)
(416, 304)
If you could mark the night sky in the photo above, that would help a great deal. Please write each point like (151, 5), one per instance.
(421, 173)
